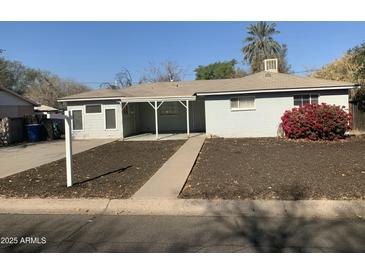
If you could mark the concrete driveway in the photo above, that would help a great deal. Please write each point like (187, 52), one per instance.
(25, 156)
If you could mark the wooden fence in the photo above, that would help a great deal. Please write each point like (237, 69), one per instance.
(358, 118)
(13, 130)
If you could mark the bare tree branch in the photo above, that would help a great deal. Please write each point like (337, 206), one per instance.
(168, 71)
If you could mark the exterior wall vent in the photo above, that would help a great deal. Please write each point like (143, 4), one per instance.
(271, 65)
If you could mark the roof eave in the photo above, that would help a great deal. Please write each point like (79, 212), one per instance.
(208, 93)
(131, 99)
(87, 99)
(159, 98)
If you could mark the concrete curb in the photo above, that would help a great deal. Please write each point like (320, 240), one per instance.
(53, 206)
(191, 207)
(248, 208)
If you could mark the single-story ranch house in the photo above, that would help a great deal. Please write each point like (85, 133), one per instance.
(244, 107)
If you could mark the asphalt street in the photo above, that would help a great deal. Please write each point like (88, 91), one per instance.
(99, 233)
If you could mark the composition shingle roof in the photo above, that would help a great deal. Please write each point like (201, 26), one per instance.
(255, 82)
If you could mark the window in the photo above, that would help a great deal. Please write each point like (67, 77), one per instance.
(169, 108)
(302, 99)
(77, 120)
(110, 122)
(93, 108)
(128, 109)
(243, 103)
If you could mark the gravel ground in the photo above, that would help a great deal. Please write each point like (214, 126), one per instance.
(114, 170)
(269, 168)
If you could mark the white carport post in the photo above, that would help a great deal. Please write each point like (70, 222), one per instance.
(121, 115)
(155, 106)
(68, 141)
(187, 119)
(186, 105)
(156, 119)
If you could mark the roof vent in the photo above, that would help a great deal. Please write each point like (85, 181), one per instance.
(271, 65)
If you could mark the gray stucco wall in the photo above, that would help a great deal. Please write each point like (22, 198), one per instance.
(264, 120)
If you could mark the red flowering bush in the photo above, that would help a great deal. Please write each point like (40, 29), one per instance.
(316, 122)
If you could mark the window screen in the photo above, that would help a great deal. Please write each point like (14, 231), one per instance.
(169, 108)
(314, 99)
(93, 109)
(247, 102)
(110, 122)
(297, 100)
(244, 102)
(77, 120)
(234, 103)
(302, 99)
(306, 99)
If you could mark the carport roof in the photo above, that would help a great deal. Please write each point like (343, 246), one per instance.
(258, 82)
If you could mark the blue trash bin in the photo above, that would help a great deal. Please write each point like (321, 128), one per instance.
(34, 132)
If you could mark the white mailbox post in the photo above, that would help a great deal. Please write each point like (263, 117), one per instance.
(68, 141)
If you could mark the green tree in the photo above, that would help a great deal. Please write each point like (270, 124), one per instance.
(351, 68)
(358, 60)
(341, 69)
(219, 70)
(283, 65)
(260, 45)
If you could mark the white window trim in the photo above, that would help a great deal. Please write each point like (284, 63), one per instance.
(94, 113)
(310, 97)
(243, 109)
(116, 119)
(83, 119)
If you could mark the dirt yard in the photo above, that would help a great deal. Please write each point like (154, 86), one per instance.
(114, 170)
(265, 168)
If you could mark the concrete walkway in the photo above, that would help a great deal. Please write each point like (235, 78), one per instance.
(168, 181)
(161, 136)
(18, 158)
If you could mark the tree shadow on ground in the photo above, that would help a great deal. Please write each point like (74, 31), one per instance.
(258, 230)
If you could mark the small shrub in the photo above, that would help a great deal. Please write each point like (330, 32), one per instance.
(316, 122)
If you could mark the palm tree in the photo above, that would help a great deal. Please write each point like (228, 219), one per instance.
(260, 44)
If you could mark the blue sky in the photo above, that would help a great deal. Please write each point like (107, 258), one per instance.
(92, 52)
